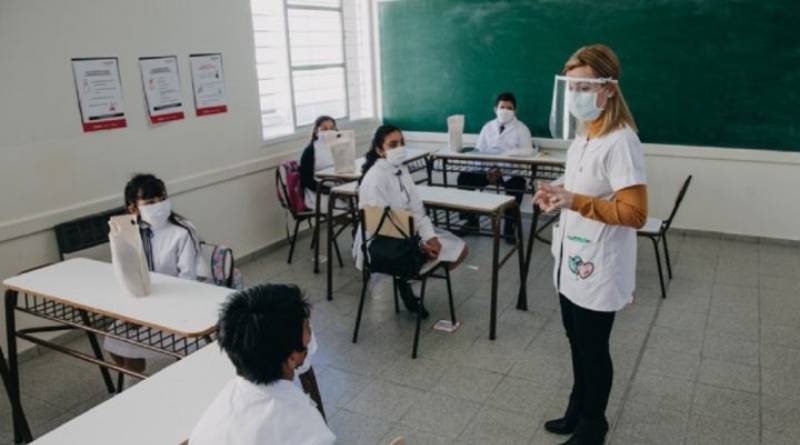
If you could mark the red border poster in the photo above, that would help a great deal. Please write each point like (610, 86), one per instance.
(162, 88)
(99, 90)
(208, 84)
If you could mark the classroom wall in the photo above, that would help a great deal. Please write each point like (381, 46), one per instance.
(734, 191)
(217, 169)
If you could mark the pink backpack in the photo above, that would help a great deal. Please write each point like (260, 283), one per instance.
(289, 186)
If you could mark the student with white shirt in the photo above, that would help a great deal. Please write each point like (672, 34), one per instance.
(603, 200)
(386, 182)
(265, 332)
(316, 156)
(500, 136)
(171, 247)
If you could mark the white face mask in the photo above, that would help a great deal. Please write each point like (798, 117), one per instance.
(312, 349)
(504, 115)
(156, 215)
(583, 105)
(396, 156)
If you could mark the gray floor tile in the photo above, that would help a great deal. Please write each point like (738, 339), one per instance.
(661, 392)
(358, 429)
(670, 364)
(414, 437)
(385, 400)
(726, 404)
(337, 387)
(731, 350)
(440, 414)
(675, 340)
(420, 373)
(496, 426)
(704, 430)
(519, 395)
(729, 375)
(781, 415)
(468, 383)
(646, 424)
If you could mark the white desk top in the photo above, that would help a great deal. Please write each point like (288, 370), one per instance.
(412, 154)
(542, 157)
(160, 410)
(446, 197)
(183, 307)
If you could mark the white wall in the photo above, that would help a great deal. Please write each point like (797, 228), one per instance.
(217, 169)
(734, 191)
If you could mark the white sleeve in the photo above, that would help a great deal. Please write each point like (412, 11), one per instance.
(187, 258)
(625, 162)
(525, 138)
(483, 143)
(369, 193)
(422, 223)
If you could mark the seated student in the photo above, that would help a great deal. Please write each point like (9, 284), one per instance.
(171, 246)
(316, 156)
(387, 182)
(265, 332)
(499, 136)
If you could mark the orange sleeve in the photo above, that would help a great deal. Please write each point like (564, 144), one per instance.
(627, 208)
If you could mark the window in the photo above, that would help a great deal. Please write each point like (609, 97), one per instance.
(313, 57)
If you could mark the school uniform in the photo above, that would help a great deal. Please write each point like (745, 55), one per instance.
(246, 413)
(496, 138)
(170, 250)
(385, 185)
(316, 156)
(595, 263)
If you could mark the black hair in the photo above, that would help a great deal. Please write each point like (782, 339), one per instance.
(260, 327)
(506, 97)
(317, 123)
(377, 142)
(149, 186)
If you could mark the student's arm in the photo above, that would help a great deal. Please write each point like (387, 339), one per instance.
(525, 138)
(483, 143)
(627, 208)
(422, 223)
(187, 258)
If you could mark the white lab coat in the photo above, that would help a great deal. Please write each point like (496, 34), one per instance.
(246, 413)
(597, 261)
(515, 136)
(385, 185)
(174, 253)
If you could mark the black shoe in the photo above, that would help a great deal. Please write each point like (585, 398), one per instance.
(423, 313)
(568, 423)
(408, 297)
(589, 433)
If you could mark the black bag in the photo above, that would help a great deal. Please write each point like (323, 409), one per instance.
(402, 258)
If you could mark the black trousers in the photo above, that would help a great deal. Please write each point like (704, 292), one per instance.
(515, 186)
(588, 332)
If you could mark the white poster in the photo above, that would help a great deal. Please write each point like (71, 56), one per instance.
(99, 88)
(162, 88)
(208, 83)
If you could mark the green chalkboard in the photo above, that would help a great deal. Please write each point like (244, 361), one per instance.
(722, 73)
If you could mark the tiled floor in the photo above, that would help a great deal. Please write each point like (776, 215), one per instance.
(718, 362)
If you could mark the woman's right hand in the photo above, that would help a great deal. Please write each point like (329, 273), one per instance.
(432, 247)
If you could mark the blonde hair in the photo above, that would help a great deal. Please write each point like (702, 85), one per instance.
(605, 64)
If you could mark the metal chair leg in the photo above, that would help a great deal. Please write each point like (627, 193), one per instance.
(120, 382)
(394, 289)
(660, 270)
(293, 241)
(419, 318)
(450, 295)
(360, 307)
(666, 254)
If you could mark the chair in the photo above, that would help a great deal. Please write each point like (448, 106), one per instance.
(299, 217)
(401, 226)
(656, 231)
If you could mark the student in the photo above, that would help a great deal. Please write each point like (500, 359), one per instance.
(171, 246)
(499, 136)
(265, 332)
(387, 182)
(603, 201)
(316, 156)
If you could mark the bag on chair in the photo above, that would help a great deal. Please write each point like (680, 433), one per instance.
(127, 255)
(397, 257)
(290, 171)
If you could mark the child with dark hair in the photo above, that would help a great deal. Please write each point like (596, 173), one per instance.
(171, 246)
(316, 156)
(265, 332)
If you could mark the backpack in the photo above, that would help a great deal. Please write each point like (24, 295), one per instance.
(290, 190)
(221, 270)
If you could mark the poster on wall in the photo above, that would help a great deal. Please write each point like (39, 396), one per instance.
(208, 83)
(162, 88)
(99, 88)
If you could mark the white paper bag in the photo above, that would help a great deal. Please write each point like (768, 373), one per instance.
(127, 255)
(343, 150)
(455, 132)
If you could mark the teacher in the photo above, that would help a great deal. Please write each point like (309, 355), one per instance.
(603, 200)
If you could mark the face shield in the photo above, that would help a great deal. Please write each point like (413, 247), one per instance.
(574, 101)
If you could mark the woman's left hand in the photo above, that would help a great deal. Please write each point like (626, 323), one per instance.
(556, 197)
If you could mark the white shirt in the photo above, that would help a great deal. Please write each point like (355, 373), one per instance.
(598, 261)
(515, 136)
(245, 413)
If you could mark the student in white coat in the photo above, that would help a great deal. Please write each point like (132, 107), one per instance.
(171, 246)
(265, 332)
(500, 136)
(387, 182)
(316, 156)
(603, 200)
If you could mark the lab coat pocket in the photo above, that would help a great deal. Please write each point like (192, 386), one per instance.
(584, 253)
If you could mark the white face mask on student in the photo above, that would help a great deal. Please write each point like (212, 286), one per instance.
(504, 115)
(156, 215)
(396, 156)
(306, 365)
(583, 105)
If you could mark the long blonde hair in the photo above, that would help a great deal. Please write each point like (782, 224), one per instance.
(605, 64)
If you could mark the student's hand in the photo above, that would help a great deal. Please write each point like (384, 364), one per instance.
(555, 197)
(432, 247)
(493, 176)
